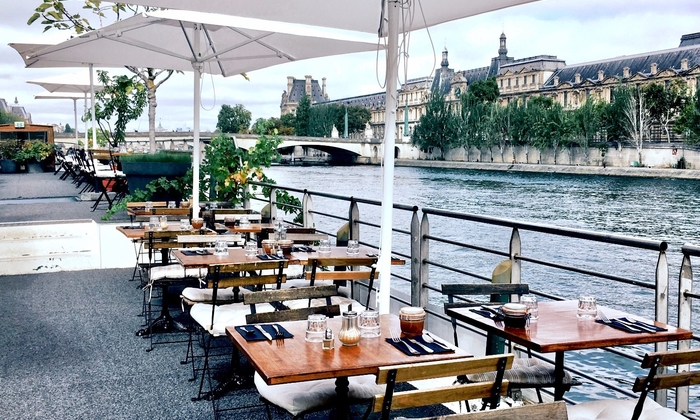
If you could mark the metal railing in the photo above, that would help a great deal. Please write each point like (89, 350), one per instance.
(429, 249)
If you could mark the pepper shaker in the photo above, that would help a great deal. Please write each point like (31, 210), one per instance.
(328, 340)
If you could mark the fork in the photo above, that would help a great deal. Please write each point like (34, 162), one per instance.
(396, 338)
(279, 335)
(603, 317)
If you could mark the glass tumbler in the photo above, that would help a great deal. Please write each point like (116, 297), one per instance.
(171, 204)
(184, 224)
(530, 301)
(220, 247)
(251, 249)
(353, 247)
(154, 222)
(324, 246)
(369, 324)
(316, 328)
(587, 308)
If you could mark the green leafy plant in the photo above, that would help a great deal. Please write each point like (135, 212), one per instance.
(33, 151)
(161, 185)
(9, 149)
(163, 156)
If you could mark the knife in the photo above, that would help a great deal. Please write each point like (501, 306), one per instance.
(425, 348)
(640, 325)
(264, 333)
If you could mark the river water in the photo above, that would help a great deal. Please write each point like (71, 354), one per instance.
(658, 209)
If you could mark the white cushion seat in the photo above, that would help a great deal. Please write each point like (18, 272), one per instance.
(175, 271)
(300, 397)
(342, 301)
(618, 409)
(192, 295)
(227, 315)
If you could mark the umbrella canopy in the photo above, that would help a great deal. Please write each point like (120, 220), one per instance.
(202, 42)
(383, 17)
(74, 82)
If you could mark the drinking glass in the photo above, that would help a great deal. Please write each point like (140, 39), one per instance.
(353, 247)
(184, 224)
(316, 328)
(171, 204)
(324, 246)
(154, 222)
(149, 205)
(369, 324)
(530, 301)
(587, 308)
(220, 247)
(244, 223)
(251, 249)
(163, 222)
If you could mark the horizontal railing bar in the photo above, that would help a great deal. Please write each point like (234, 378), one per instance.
(692, 250)
(332, 216)
(691, 295)
(456, 270)
(588, 272)
(560, 231)
(463, 245)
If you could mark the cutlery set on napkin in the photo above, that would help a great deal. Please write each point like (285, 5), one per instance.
(631, 325)
(196, 252)
(259, 332)
(268, 257)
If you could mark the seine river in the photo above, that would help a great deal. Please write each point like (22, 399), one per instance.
(659, 209)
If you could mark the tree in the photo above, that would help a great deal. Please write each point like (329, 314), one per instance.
(234, 119)
(358, 117)
(587, 123)
(688, 122)
(474, 114)
(8, 118)
(439, 127)
(302, 118)
(287, 124)
(68, 129)
(321, 120)
(632, 108)
(53, 14)
(665, 102)
(121, 100)
(485, 90)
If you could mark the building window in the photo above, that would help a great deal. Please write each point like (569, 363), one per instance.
(533, 79)
(566, 98)
(509, 82)
(501, 83)
(516, 81)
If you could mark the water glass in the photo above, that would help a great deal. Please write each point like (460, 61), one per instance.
(587, 308)
(220, 247)
(171, 204)
(184, 224)
(353, 247)
(251, 249)
(163, 222)
(316, 327)
(149, 205)
(154, 222)
(244, 222)
(530, 301)
(369, 324)
(324, 246)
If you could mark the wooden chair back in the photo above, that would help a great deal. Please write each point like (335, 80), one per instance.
(550, 411)
(163, 240)
(189, 241)
(369, 275)
(281, 295)
(683, 376)
(491, 391)
(498, 292)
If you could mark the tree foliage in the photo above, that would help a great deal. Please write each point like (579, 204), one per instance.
(8, 117)
(122, 100)
(233, 119)
(302, 116)
(666, 102)
(439, 127)
(688, 122)
(485, 90)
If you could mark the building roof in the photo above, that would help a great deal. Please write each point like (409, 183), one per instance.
(639, 63)
(299, 89)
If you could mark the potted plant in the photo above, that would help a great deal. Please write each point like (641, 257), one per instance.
(32, 153)
(8, 156)
(142, 168)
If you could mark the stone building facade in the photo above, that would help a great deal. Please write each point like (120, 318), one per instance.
(296, 88)
(16, 109)
(548, 75)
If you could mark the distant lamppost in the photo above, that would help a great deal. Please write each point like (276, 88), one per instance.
(345, 132)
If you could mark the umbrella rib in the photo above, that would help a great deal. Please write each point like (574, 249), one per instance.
(213, 48)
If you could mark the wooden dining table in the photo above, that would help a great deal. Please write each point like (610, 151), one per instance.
(297, 360)
(558, 329)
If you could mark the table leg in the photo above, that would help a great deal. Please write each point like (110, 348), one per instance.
(341, 389)
(559, 376)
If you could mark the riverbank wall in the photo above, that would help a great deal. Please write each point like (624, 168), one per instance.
(557, 169)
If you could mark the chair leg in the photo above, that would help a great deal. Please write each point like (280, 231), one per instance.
(205, 369)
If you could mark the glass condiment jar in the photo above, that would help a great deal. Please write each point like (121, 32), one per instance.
(412, 321)
(349, 333)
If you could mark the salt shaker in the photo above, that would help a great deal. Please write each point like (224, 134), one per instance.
(328, 340)
(349, 334)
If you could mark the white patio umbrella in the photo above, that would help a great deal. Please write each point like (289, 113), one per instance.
(202, 42)
(68, 95)
(383, 17)
(71, 83)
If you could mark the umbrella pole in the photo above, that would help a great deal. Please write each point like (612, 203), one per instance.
(392, 68)
(92, 106)
(85, 108)
(75, 115)
(195, 152)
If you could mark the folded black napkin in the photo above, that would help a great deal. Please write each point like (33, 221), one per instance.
(131, 227)
(487, 314)
(630, 326)
(250, 333)
(302, 248)
(196, 252)
(266, 257)
(402, 346)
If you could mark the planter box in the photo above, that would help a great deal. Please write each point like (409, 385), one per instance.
(139, 174)
(8, 166)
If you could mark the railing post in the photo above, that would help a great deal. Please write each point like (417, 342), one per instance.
(307, 206)
(273, 206)
(419, 294)
(685, 285)
(353, 218)
(419, 253)
(662, 311)
(515, 250)
(246, 197)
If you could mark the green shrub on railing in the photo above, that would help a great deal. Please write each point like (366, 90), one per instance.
(163, 156)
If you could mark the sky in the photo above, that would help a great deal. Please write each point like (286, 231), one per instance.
(576, 31)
